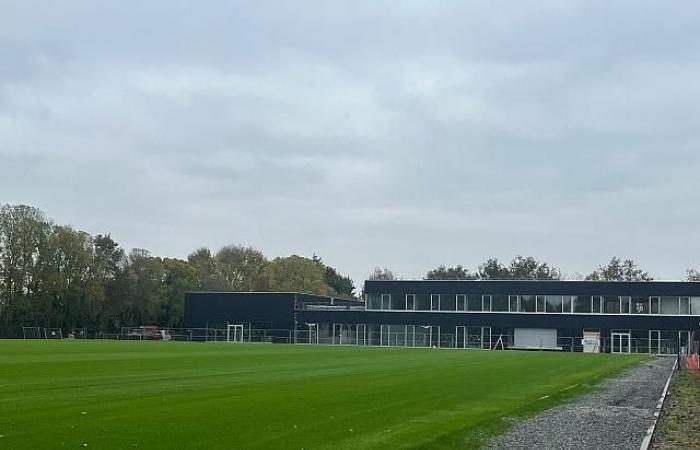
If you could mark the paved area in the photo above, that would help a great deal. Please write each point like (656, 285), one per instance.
(614, 416)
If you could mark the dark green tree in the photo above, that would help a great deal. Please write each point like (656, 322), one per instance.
(450, 273)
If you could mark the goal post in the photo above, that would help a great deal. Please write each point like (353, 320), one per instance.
(31, 332)
(53, 333)
(234, 333)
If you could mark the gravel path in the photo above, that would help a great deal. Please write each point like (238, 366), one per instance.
(614, 416)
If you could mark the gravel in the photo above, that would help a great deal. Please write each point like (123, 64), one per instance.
(614, 416)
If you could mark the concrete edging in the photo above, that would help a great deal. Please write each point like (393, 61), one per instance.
(657, 412)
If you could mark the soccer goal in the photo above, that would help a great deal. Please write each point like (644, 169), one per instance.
(53, 333)
(234, 333)
(31, 332)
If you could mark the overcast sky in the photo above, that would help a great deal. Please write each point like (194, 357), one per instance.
(395, 134)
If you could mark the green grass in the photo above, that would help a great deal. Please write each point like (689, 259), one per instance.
(130, 394)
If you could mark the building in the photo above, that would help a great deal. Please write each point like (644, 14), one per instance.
(590, 316)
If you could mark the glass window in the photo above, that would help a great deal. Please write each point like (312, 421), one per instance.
(513, 301)
(597, 302)
(654, 302)
(486, 302)
(540, 303)
(398, 302)
(435, 302)
(461, 302)
(554, 303)
(669, 305)
(695, 306)
(374, 301)
(386, 301)
(423, 302)
(685, 305)
(499, 303)
(448, 302)
(422, 336)
(640, 305)
(582, 304)
(567, 304)
(612, 305)
(410, 301)
(527, 303)
(474, 302)
(625, 304)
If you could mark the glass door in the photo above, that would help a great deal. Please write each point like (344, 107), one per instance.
(620, 342)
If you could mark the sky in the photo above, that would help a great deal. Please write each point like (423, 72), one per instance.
(374, 134)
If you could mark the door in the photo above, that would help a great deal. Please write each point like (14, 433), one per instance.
(655, 342)
(234, 333)
(620, 342)
(460, 337)
(337, 334)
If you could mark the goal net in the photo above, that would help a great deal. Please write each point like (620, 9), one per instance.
(53, 333)
(31, 332)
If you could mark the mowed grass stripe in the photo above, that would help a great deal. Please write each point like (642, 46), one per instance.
(215, 395)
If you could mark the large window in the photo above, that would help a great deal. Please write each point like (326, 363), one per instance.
(448, 302)
(410, 301)
(386, 301)
(654, 304)
(685, 305)
(554, 303)
(374, 301)
(486, 302)
(582, 304)
(398, 301)
(527, 303)
(461, 302)
(540, 303)
(695, 306)
(499, 303)
(423, 302)
(612, 305)
(474, 302)
(597, 304)
(669, 305)
(625, 303)
(435, 302)
(513, 303)
(640, 305)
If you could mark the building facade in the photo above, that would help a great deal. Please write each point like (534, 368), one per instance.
(611, 317)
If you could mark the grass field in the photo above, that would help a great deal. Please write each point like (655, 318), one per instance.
(131, 394)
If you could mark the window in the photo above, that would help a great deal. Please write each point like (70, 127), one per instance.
(612, 305)
(625, 305)
(474, 303)
(374, 301)
(527, 303)
(461, 302)
(640, 305)
(597, 302)
(685, 305)
(654, 304)
(695, 306)
(398, 302)
(486, 303)
(669, 305)
(410, 301)
(567, 304)
(423, 302)
(386, 301)
(553, 303)
(513, 303)
(499, 303)
(435, 302)
(540, 303)
(448, 302)
(583, 304)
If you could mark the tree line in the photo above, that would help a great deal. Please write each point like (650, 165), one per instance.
(52, 275)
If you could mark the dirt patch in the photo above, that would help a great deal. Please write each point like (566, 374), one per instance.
(679, 423)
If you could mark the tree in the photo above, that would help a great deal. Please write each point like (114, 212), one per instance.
(492, 269)
(297, 274)
(528, 268)
(179, 278)
(342, 285)
(450, 273)
(619, 270)
(241, 268)
(380, 274)
(692, 275)
(208, 279)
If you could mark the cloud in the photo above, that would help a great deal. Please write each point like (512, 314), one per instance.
(403, 135)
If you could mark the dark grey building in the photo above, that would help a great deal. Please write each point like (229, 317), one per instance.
(616, 317)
